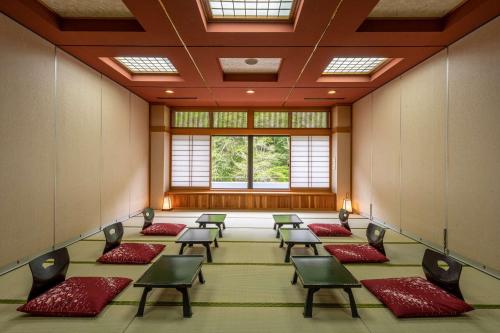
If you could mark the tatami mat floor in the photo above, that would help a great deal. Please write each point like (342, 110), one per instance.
(248, 287)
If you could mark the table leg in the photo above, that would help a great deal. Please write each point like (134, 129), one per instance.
(224, 225)
(307, 245)
(209, 252)
(191, 245)
(278, 231)
(354, 308)
(282, 243)
(183, 245)
(274, 226)
(295, 226)
(186, 305)
(216, 243)
(142, 303)
(200, 277)
(308, 306)
(295, 276)
(315, 249)
(220, 230)
(288, 251)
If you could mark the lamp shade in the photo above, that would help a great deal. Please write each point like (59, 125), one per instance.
(347, 205)
(167, 203)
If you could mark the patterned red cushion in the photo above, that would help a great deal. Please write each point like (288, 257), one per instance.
(415, 297)
(163, 229)
(132, 253)
(76, 297)
(355, 253)
(329, 230)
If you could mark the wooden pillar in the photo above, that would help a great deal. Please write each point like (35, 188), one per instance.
(341, 152)
(159, 154)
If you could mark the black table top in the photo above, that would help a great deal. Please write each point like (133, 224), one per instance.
(323, 272)
(211, 218)
(195, 235)
(171, 271)
(286, 219)
(299, 236)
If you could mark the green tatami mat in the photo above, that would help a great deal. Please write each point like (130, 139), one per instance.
(248, 252)
(113, 319)
(246, 320)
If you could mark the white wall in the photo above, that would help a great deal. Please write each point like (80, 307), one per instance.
(426, 149)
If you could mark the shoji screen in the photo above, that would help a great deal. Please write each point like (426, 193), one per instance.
(191, 160)
(310, 161)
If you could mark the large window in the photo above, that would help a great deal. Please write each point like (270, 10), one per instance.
(229, 161)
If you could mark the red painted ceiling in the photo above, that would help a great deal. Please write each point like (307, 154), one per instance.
(322, 29)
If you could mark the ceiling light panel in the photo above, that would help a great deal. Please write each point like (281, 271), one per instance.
(147, 64)
(414, 8)
(251, 9)
(353, 65)
(88, 8)
(242, 66)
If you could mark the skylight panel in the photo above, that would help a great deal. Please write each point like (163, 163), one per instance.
(251, 9)
(353, 65)
(148, 65)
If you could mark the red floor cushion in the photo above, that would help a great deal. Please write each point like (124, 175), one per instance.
(329, 230)
(132, 253)
(355, 253)
(163, 229)
(76, 297)
(415, 297)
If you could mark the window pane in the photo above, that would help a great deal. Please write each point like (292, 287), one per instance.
(270, 120)
(271, 162)
(310, 161)
(190, 160)
(309, 119)
(198, 119)
(229, 162)
(230, 119)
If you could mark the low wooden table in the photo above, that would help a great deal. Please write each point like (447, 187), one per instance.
(171, 271)
(205, 237)
(282, 219)
(292, 237)
(323, 272)
(217, 219)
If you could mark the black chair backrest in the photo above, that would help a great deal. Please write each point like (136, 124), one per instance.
(446, 277)
(344, 218)
(48, 274)
(114, 235)
(375, 236)
(149, 215)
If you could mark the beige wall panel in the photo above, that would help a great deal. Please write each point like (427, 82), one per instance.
(423, 149)
(139, 153)
(343, 167)
(115, 193)
(167, 157)
(78, 148)
(474, 146)
(158, 140)
(385, 153)
(361, 155)
(27, 124)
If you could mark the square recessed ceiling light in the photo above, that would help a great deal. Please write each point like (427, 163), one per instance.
(251, 9)
(250, 65)
(414, 8)
(147, 65)
(353, 65)
(88, 8)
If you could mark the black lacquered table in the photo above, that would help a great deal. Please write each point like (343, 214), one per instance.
(177, 272)
(316, 272)
(205, 237)
(217, 219)
(292, 237)
(283, 219)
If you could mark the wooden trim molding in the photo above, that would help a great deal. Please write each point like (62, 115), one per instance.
(347, 129)
(159, 129)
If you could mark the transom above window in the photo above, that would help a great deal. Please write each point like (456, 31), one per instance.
(250, 9)
(147, 65)
(353, 65)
